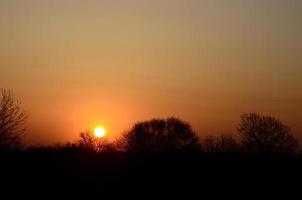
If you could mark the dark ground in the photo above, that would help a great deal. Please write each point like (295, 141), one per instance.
(77, 172)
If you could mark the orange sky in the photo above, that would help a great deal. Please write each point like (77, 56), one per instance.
(79, 64)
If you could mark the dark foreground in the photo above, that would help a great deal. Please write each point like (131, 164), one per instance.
(79, 172)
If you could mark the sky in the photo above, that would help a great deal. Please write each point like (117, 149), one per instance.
(80, 64)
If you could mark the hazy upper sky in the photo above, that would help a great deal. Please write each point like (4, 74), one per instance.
(78, 64)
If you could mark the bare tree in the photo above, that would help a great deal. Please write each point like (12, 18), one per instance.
(222, 144)
(161, 135)
(89, 141)
(227, 144)
(12, 121)
(265, 134)
(209, 144)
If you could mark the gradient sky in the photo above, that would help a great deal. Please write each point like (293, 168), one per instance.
(79, 64)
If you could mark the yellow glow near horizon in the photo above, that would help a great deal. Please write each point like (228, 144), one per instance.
(99, 132)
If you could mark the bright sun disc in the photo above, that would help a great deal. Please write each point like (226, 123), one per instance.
(99, 132)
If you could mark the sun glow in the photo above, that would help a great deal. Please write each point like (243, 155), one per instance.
(99, 132)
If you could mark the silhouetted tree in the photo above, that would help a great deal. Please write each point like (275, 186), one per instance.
(89, 141)
(227, 144)
(12, 121)
(265, 134)
(221, 144)
(121, 143)
(209, 144)
(161, 135)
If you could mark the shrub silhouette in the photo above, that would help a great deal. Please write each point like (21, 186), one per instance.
(265, 134)
(12, 121)
(161, 135)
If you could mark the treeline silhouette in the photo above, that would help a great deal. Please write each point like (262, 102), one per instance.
(257, 134)
(154, 155)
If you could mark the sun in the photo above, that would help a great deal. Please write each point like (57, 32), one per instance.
(99, 132)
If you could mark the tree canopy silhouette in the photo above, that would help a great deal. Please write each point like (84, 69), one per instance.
(12, 121)
(265, 134)
(161, 135)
